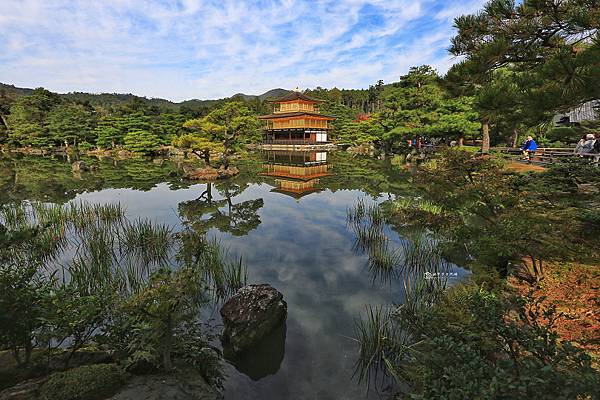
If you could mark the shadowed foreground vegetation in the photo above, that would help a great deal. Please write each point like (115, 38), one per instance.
(481, 338)
(81, 276)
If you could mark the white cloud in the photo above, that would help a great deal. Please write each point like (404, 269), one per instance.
(207, 49)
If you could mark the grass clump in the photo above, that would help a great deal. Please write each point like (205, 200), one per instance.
(89, 382)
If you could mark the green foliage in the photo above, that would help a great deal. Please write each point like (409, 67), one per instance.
(89, 382)
(350, 100)
(238, 125)
(74, 315)
(457, 119)
(24, 290)
(159, 307)
(587, 127)
(70, 124)
(5, 103)
(411, 106)
(94, 275)
(169, 125)
(133, 120)
(108, 133)
(562, 134)
(27, 119)
(200, 145)
(416, 106)
(231, 125)
(360, 132)
(194, 347)
(471, 344)
(141, 142)
(23, 297)
(345, 118)
(498, 215)
(41, 118)
(524, 68)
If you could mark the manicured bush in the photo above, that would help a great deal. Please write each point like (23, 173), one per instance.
(141, 142)
(85, 146)
(89, 382)
(562, 134)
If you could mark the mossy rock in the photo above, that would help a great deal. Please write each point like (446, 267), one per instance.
(89, 382)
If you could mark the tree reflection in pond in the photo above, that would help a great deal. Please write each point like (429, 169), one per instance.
(223, 214)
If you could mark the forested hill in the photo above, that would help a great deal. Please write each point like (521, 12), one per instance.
(13, 91)
(110, 99)
(271, 94)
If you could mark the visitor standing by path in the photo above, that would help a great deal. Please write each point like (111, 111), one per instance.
(529, 147)
(585, 145)
(589, 146)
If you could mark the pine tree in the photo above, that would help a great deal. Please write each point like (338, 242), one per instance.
(70, 124)
(108, 134)
(141, 142)
(27, 119)
(552, 45)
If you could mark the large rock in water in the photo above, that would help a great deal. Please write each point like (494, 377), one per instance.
(252, 313)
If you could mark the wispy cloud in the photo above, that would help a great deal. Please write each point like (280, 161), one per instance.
(181, 49)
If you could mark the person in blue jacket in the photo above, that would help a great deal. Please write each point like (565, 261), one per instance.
(529, 147)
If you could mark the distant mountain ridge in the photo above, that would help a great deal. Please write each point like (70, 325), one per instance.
(271, 94)
(117, 98)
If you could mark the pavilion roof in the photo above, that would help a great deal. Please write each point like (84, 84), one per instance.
(296, 193)
(296, 177)
(294, 114)
(296, 96)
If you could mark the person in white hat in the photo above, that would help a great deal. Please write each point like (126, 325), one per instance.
(586, 144)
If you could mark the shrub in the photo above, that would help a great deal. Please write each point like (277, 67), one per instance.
(119, 292)
(89, 382)
(141, 142)
(85, 146)
(562, 134)
(476, 344)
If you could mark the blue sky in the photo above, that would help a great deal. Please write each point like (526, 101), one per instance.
(183, 49)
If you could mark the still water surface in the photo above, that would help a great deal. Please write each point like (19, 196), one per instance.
(285, 214)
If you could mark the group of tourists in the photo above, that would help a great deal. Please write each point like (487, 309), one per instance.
(418, 142)
(587, 146)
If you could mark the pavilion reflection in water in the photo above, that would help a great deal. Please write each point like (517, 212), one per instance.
(296, 173)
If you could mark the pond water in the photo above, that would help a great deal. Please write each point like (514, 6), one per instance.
(285, 214)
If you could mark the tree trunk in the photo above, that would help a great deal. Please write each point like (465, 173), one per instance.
(204, 155)
(166, 350)
(225, 160)
(17, 355)
(513, 138)
(3, 118)
(226, 153)
(485, 127)
(28, 351)
(461, 141)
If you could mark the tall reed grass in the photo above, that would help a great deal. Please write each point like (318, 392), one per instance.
(417, 261)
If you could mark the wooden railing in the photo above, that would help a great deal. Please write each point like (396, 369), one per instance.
(292, 141)
(550, 155)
